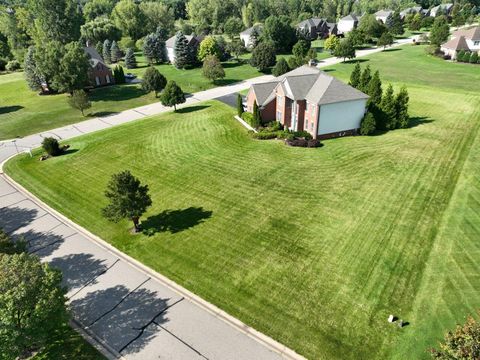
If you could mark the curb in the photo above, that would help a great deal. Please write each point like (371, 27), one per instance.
(261, 338)
(245, 124)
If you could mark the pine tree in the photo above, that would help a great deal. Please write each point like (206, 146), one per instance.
(256, 116)
(389, 110)
(375, 89)
(33, 78)
(115, 53)
(355, 76)
(239, 105)
(280, 68)
(401, 105)
(172, 95)
(368, 125)
(153, 81)
(154, 48)
(119, 75)
(365, 79)
(130, 61)
(181, 51)
(106, 52)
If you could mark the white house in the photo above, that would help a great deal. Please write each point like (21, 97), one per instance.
(192, 41)
(246, 35)
(464, 39)
(308, 99)
(444, 8)
(347, 23)
(382, 15)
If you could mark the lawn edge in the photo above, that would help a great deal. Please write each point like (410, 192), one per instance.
(261, 338)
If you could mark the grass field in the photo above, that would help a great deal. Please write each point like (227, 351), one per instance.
(314, 247)
(23, 112)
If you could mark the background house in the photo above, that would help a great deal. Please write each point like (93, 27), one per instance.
(246, 35)
(307, 99)
(100, 73)
(347, 24)
(193, 41)
(444, 9)
(382, 15)
(411, 10)
(464, 39)
(315, 28)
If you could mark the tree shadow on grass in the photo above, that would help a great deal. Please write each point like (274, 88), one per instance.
(224, 82)
(174, 221)
(190, 109)
(392, 50)
(418, 120)
(117, 93)
(230, 64)
(9, 109)
(354, 61)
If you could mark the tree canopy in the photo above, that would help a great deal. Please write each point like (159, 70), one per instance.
(172, 95)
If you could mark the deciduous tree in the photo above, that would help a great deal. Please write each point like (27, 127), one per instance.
(263, 56)
(72, 74)
(99, 30)
(208, 47)
(129, 18)
(345, 50)
(32, 303)
(79, 100)
(98, 8)
(212, 68)
(233, 26)
(157, 14)
(385, 40)
(440, 31)
(280, 33)
(331, 43)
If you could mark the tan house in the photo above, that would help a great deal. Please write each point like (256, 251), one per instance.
(464, 39)
(309, 99)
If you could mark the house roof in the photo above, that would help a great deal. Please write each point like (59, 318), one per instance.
(95, 57)
(350, 17)
(383, 13)
(446, 7)
(411, 10)
(250, 30)
(312, 22)
(457, 43)
(469, 34)
(308, 83)
(170, 43)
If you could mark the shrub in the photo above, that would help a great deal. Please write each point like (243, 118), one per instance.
(51, 146)
(474, 58)
(274, 126)
(466, 57)
(460, 55)
(13, 65)
(303, 134)
(300, 142)
(434, 50)
(3, 63)
(264, 135)
(248, 118)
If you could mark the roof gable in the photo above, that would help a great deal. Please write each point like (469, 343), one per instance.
(457, 43)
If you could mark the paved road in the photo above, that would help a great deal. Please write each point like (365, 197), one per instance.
(128, 308)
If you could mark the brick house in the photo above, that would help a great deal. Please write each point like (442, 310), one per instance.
(309, 99)
(100, 73)
(316, 28)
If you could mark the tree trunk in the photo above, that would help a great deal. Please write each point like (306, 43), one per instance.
(82, 112)
(136, 223)
(174, 107)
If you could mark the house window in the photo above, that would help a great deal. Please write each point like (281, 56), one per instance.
(107, 79)
(97, 80)
(311, 126)
(306, 123)
(476, 43)
(279, 116)
(279, 100)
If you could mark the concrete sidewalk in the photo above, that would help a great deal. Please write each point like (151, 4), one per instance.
(131, 311)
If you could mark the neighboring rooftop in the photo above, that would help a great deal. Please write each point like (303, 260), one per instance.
(470, 34)
(95, 57)
(312, 22)
(383, 13)
(308, 83)
(350, 17)
(457, 43)
(250, 30)
(170, 43)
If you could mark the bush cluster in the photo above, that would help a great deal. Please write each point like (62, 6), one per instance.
(275, 130)
(51, 146)
(301, 142)
(468, 57)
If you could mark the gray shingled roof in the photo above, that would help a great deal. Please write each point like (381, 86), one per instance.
(457, 43)
(312, 22)
(308, 83)
(470, 34)
(170, 43)
(250, 30)
(350, 17)
(95, 57)
(383, 13)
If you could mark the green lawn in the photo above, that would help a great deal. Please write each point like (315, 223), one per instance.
(23, 112)
(314, 247)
